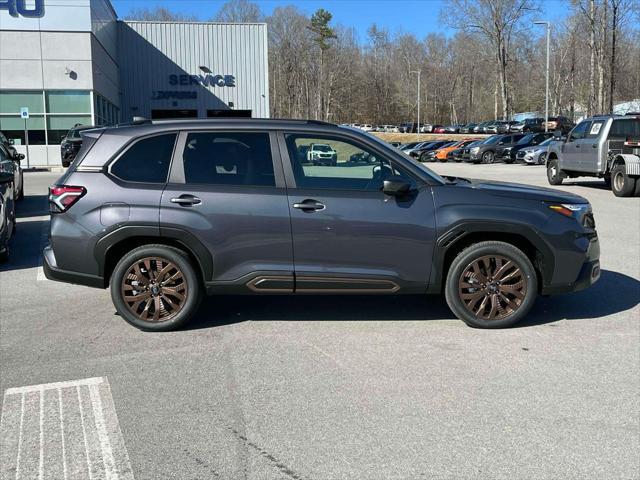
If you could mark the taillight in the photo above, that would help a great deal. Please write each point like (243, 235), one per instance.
(62, 197)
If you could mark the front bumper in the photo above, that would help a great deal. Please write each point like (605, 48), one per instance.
(52, 272)
(588, 272)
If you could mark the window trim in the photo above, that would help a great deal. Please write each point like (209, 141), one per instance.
(177, 175)
(288, 166)
(130, 145)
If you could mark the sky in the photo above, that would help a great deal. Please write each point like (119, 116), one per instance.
(419, 17)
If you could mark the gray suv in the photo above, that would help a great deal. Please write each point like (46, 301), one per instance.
(163, 213)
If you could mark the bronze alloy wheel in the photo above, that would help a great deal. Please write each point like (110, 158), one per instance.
(492, 287)
(154, 289)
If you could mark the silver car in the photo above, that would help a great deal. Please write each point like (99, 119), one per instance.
(537, 154)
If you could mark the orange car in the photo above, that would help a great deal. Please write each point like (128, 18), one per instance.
(441, 153)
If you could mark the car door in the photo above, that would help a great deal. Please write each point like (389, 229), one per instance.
(572, 148)
(589, 151)
(226, 189)
(348, 236)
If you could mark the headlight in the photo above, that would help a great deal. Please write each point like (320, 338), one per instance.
(475, 150)
(581, 212)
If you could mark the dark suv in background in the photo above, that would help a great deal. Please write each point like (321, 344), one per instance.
(162, 213)
(71, 144)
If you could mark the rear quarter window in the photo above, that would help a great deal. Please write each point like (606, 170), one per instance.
(147, 160)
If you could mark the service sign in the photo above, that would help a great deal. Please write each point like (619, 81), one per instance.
(23, 8)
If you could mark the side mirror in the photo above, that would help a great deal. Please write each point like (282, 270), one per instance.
(11, 142)
(396, 186)
(18, 157)
(6, 177)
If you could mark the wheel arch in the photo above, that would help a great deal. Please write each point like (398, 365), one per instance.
(630, 162)
(110, 248)
(454, 241)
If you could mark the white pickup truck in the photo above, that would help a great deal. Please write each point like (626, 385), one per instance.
(606, 147)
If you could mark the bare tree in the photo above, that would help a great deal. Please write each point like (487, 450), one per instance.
(238, 11)
(158, 14)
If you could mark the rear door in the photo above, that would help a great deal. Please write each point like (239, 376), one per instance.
(348, 236)
(227, 190)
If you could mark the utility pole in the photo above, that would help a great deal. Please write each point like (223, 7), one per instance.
(546, 95)
(418, 125)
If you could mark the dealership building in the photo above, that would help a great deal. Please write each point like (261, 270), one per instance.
(68, 62)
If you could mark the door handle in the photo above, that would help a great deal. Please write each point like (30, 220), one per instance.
(186, 200)
(309, 206)
(577, 146)
(594, 146)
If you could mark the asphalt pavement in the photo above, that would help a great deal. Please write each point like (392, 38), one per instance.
(323, 387)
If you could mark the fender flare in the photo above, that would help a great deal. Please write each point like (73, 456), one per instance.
(186, 239)
(457, 233)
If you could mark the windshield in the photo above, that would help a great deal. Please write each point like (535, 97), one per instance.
(547, 142)
(526, 139)
(322, 148)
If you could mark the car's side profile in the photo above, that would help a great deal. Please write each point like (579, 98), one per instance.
(164, 213)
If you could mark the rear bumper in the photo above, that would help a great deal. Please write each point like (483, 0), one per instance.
(52, 272)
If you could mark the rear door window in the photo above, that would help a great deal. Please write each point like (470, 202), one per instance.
(228, 158)
(595, 129)
(146, 161)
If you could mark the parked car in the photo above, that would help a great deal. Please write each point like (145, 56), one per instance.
(506, 143)
(408, 146)
(452, 129)
(419, 145)
(443, 152)
(426, 128)
(528, 125)
(7, 201)
(389, 128)
(468, 128)
(607, 147)
(431, 154)
(194, 208)
(495, 127)
(558, 123)
(421, 152)
(71, 144)
(458, 154)
(536, 155)
(366, 127)
(18, 175)
(529, 140)
(438, 129)
(322, 154)
(480, 128)
(485, 151)
(408, 127)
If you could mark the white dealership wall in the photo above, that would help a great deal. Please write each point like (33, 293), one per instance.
(73, 46)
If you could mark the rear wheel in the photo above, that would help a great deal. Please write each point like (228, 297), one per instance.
(622, 185)
(155, 288)
(554, 174)
(542, 158)
(491, 285)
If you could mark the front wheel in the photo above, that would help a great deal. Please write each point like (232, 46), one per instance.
(155, 288)
(491, 285)
(622, 184)
(487, 157)
(554, 174)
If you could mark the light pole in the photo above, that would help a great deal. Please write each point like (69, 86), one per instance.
(546, 95)
(418, 126)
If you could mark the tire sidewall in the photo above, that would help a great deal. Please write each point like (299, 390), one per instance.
(629, 183)
(554, 179)
(461, 262)
(182, 262)
(487, 157)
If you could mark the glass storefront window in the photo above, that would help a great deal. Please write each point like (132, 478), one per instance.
(13, 127)
(59, 125)
(69, 101)
(12, 102)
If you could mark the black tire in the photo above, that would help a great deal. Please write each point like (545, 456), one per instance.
(622, 185)
(519, 305)
(508, 161)
(189, 282)
(542, 158)
(488, 157)
(554, 174)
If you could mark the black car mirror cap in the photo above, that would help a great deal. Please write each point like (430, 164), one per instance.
(396, 186)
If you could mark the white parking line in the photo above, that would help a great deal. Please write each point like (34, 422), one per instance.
(62, 430)
(41, 277)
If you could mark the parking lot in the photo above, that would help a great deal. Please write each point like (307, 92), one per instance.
(324, 387)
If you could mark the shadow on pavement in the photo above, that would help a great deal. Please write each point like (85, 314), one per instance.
(613, 293)
(32, 206)
(25, 248)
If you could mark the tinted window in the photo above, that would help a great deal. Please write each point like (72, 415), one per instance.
(147, 160)
(350, 167)
(526, 139)
(228, 158)
(491, 140)
(625, 129)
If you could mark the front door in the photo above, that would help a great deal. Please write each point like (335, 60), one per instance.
(348, 236)
(226, 190)
(572, 148)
